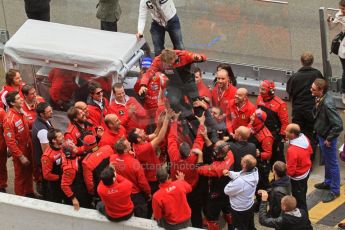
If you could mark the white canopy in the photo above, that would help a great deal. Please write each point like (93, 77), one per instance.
(71, 47)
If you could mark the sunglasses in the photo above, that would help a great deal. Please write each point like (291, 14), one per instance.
(99, 92)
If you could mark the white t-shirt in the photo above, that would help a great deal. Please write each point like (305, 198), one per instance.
(339, 18)
(42, 135)
(157, 8)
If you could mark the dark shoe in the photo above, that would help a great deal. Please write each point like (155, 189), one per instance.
(3, 190)
(322, 185)
(341, 226)
(330, 197)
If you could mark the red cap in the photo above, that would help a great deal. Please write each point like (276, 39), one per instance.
(89, 140)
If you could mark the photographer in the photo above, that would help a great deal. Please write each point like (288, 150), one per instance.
(290, 218)
(280, 187)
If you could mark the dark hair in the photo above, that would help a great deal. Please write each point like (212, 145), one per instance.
(41, 107)
(342, 3)
(11, 98)
(184, 149)
(133, 137)
(321, 84)
(93, 85)
(107, 176)
(52, 134)
(117, 85)
(280, 168)
(26, 88)
(11, 73)
(72, 113)
(120, 146)
(162, 175)
(197, 70)
(231, 75)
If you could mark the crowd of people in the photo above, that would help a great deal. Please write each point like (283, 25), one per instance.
(180, 150)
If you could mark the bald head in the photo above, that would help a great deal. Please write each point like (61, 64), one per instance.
(242, 133)
(241, 97)
(82, 106)
(112, 122)
(292, 131)
(248, 163)
(242, 91)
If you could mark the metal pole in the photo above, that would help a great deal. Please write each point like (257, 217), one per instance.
(3, 8)
(327, 69)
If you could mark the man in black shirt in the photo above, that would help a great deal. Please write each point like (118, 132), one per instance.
(298, 88)
(241, 146)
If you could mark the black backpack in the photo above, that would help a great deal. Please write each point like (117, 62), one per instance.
(336, 43)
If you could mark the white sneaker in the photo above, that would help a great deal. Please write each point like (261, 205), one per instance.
(343, 97)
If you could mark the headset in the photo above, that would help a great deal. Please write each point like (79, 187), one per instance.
(219, 153)
(271, 86)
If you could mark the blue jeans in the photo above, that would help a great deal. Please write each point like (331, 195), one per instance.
(332, 172)
(158, 34)
(342, 61)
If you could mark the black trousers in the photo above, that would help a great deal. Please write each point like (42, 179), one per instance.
(277, 150)
(154, 187)
(54, 192)
(216, 205)
(109, 26)
(39, 15)
(305, 120)
(243, 220)
(194, 199)
(140, 205)
(299, 191)
(101, 208)
(162, 223)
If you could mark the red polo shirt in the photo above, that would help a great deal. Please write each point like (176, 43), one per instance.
(236, 117)
(116, 197)
(110, 138)
(170, 202)
(129, 167)
(148, 159)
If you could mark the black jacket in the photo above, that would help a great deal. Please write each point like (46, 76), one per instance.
(328, 123)
(239, 150)
(279, 189)
(298, 88)
(36, 5)
(296, 219)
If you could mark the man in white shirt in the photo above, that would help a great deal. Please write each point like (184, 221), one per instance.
(164, 17)
(241, 190)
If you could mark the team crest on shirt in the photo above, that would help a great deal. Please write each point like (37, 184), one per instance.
(243, 116)
(154, 87)
(121, 112)
(9, 134)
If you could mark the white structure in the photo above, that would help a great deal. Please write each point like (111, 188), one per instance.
(23, 213)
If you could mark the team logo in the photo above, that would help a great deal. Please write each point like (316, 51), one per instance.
(121, 112)
(243, 116)
(154, 87)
